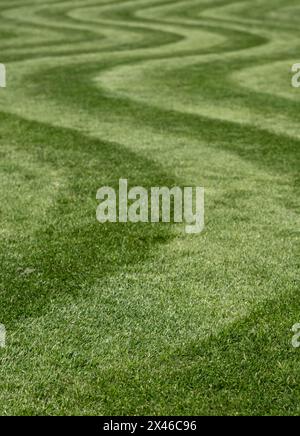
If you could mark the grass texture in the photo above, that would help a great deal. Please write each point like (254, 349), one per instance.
(144, 319)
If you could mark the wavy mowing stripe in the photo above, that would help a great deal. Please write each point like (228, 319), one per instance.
(227, 110)
(114, 33)
(28, 33)
(177, 47)
(61, 39)
(273, 78)
(145, 320)
(256, 12)
(29, 16)
(150, 52)
(34, 16)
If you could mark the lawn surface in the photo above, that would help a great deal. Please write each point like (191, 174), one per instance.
(144, 319)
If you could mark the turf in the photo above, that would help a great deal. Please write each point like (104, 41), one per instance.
(144, 319)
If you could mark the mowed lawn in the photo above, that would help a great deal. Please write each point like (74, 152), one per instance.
(142, 318)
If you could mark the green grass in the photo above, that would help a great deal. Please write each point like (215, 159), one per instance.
(144, 319)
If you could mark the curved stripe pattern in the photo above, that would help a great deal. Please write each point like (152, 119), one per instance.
(143, 319)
